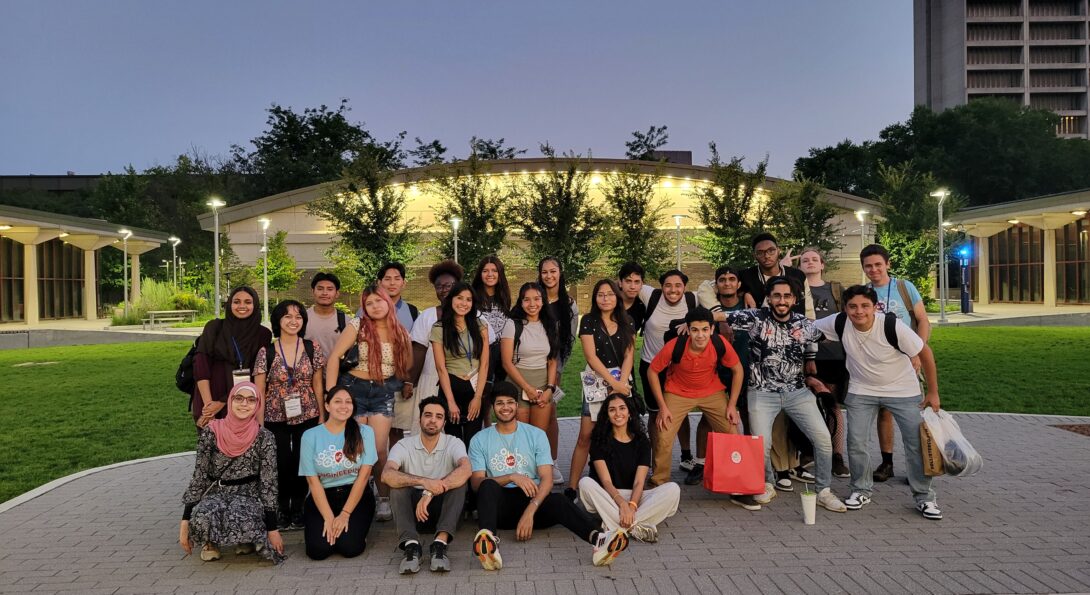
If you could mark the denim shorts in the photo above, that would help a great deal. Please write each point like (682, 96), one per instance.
(371, 397)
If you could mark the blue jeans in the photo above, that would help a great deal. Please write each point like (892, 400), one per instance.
(371, 397)
(801, 406)
(862, 411)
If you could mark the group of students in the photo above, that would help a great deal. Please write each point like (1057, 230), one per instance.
(454, 407)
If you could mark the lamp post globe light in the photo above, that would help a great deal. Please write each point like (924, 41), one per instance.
(216, 203)
(264, 221)
(125, 235)
(174, 241)
(455, 223)
(677, 238)
(941, 194)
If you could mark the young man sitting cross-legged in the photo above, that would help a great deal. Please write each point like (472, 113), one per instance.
(513, 477)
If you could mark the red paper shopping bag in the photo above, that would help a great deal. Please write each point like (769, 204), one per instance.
(735, 464)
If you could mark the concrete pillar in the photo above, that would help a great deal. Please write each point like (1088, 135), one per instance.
(983, 272)
(1050, 268)
(90, 287)
(134, 273)
(30, 284)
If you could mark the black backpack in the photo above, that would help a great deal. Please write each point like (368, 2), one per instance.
(719, 343)
(889, 325)
(308, 346)
(183, 378)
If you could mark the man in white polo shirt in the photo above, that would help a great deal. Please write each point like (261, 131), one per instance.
(427, 474)
(879, 352)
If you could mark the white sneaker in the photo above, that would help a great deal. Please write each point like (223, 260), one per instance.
(644, 533)
(828, 500)
(856, 501)
(382, 510)
(930, 511)
(558, 477)
(765, 498)
(608, 546)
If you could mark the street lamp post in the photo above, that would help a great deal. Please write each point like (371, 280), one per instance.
(125, 235)
(941, 194)
(677, 238)
(216, 203)
(181, 269)
(861, 216)
(174, 241)
(455, 223)
(264, 221)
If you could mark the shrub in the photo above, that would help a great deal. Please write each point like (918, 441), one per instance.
(191, 301)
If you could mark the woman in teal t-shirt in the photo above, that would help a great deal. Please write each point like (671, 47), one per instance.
(336, 458)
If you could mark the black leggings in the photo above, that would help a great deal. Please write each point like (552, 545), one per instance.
(352, 542)
(463, 394)
(501, 508)
(292, 488)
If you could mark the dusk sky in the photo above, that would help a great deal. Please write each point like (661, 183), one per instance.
(94, 86)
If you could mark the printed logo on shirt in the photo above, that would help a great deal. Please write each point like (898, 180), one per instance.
(332, 457)
(505, 461)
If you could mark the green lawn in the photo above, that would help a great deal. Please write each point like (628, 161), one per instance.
(106, 403)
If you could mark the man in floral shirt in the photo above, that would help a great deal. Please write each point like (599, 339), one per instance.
(782, 343)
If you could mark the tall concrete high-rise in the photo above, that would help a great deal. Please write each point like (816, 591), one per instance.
(1033, 52)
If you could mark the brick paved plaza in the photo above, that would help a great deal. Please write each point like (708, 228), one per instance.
(1020, 526)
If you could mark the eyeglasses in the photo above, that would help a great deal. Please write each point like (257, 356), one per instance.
(767, 252)
(247, 400)
(606, 295)
(444, 286)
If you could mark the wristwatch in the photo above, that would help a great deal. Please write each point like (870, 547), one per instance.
(426, 494)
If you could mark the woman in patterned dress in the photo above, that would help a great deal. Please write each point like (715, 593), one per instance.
(231, 499)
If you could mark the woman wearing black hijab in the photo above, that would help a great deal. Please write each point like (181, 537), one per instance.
(225, 354)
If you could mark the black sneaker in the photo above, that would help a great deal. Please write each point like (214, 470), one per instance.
(297, 521)
(883, 472)
(800, 474)
(410, 564)
(746, 502)
(696, 476)
(687, 464)
(839, 468)
(439, 560)
(283, 522)
(783, 482)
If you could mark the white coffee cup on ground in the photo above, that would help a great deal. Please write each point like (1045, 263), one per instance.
(809, 507)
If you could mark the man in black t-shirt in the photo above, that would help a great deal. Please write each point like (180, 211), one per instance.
(630, 280)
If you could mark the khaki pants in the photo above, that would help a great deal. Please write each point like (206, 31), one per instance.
(655, 505)
(714, 407)
(784, 455)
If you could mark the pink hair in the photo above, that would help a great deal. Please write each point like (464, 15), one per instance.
(399, 338)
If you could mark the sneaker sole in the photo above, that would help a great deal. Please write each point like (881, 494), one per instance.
(487, 553)
(410, 569)
(762, 502)
(618, 544)
(441, 567)
(845, 509)
(780, 488)
(746, 506)
(856, 506)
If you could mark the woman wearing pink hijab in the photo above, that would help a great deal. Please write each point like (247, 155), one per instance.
(231, 499)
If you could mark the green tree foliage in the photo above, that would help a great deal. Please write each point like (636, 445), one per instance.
(729, 209)
(488, 149)
(557, 217)
(802, 216)
(912, 256)
(299, 149)
(345, 264)
(643, 145)
(987, 151)
(466, 191)
(282, 272)
(430, 153)
(367, 214)
(632, 215)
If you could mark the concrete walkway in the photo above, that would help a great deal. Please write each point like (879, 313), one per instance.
(1020, 526)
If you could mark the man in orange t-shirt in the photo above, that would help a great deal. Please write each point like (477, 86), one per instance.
(693, 383)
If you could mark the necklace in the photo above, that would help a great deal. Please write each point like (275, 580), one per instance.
(863, 336)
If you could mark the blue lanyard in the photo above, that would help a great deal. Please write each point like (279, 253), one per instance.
(237, 352)
(284, 358)
(468, 352)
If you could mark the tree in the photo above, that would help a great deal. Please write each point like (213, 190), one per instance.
(493, 149)
(846, 167)
(346, 267)
(729, 209)
(557, 217)
(427, 153)
(282, 272)
(466, 191)
(367, 213)
(643, 145)
(803, 216)
(298, 150)
(631, 218)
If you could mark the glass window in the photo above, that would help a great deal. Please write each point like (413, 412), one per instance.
(1017, 263)
(60, 280)
(11, 281)
(1072, 285)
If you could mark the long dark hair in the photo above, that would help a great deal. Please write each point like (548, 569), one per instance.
(450, 332)
(281, 310)
(353, 439)
(603, 428)
(502, 297)
(545, 316)
(563, 324)
(619, 316)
